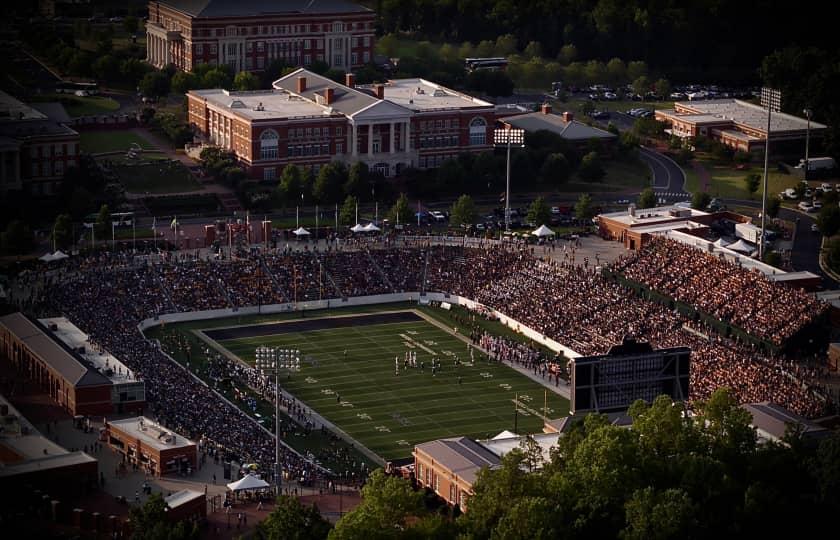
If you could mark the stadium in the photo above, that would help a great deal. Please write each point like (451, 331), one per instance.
(381, 364)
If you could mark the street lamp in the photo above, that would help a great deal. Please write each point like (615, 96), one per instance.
(807, 113)
(508, 137)
(270, 360)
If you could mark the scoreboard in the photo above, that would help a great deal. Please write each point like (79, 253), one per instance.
(630, 371)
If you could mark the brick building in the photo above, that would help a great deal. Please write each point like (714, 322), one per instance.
(151, 447)
(249, 34)
(741, 126)
(311, 120)
(35, 148)
(61, 360)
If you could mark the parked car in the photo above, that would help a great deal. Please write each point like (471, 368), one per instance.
(806, 206)
(437, 216)
(609, 96)
(814, 228)
(826, 187)
(600, 115)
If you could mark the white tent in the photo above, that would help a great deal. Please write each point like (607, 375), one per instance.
(370, 227)
(357, 228)
(247, 482)
(720, 242)
(47, 257)
(300, 231)
(58, 255)
(741, 246)
(543, 231)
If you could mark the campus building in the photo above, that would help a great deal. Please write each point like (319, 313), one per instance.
(36, 146)
(152, 447)
(741, 126)
(449, 467)
(248, 35)
(27, 458)
(80, 377)
(310, 120)
(563, 125)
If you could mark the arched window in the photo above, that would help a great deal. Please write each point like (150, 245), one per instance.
(268, 144)
(478, 131)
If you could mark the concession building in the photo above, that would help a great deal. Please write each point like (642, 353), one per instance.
(152, 447)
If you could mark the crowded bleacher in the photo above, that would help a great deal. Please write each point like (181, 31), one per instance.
(108, 295)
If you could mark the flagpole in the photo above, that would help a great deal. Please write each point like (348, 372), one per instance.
(297, 217)
(113, 240)
(133, 235)
(316, 224)
(154, 232)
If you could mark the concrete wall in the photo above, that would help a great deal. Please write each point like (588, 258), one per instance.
(359, 301)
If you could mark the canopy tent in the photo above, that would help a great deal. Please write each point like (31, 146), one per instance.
(300, 231)
(370, 227)
(741, 246)
(247, 483)
(543, 231)
(58, 255)
(357, 228)
(720, 242)
(47, 257)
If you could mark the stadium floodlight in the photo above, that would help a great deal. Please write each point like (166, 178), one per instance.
(266, 360)
(508, 137)
(771, 99)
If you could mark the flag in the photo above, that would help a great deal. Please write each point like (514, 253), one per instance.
(502, 197)
(174, 223)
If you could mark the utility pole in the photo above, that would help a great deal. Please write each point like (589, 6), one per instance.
(807, 141)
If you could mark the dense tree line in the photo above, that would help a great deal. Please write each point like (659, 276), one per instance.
(712, 38)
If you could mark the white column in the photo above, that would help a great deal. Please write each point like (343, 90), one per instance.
(392, 126)
(370, 140)
(354, 140)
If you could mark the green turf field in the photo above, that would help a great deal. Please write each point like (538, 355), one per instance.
(390, 413)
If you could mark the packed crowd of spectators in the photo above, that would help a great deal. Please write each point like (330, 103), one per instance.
(744, 298)
(106, 296)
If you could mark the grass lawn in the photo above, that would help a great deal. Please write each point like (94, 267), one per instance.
(159, 177)
(83, 106)
(390, 413)
(111, 141)
(728, 182)
(620, 175)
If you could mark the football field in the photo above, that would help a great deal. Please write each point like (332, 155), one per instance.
(348, 375)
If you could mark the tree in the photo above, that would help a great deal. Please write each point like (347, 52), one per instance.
(150, 522)
(291, 520)
(533, 50)
(727, 429)
(568, 54)
(246, 80)
(462, 211)
(328, 185)
(647, 198)
(583, 207)
(828, 220)
(555, 169)
(400, 212)
(17, 238)
(103, 221)
(773, 206)
(590, 168)
(290, 184)
(616, 72)
(662, 88)
(700, 200)
(130, 24)
(272, 72)
(63, 231)
(154, 84)
(641, 85)
(387, 504)
(752, 181)
(106, 68)
(659, 515)
(217, 77)
(539, 213)
(184, 81)
(636, 69)
(347, 215)
(505, 45)
(358, 181)
(485, 48)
